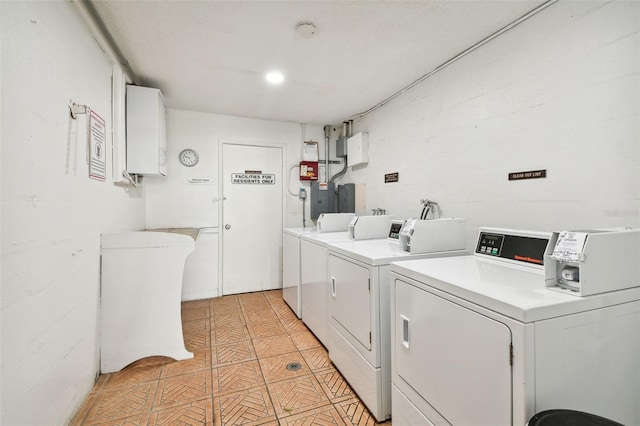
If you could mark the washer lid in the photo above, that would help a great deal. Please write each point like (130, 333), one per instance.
(140, 239)
(323, 239)
(297, 232)
(382, 251)
(514, 291)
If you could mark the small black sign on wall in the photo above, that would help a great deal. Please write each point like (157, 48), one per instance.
(532, 174)
(391, 177)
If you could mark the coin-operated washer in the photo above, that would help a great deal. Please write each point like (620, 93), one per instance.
(327, 222)
(515, 329)
(358, 332)
(314, 258)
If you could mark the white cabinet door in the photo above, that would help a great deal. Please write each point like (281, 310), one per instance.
(350, 298)
(456, 359)
(146, 131)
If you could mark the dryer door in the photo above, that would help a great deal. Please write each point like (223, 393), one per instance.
(458, 360)
(350, 298)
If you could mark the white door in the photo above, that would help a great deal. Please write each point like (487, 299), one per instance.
(252, 218)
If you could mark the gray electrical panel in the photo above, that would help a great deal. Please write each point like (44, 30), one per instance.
(322, 199)
(341, 148)
(347, 198)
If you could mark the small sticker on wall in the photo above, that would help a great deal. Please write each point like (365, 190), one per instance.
(391, 177)
(532, 174)
(201, 181)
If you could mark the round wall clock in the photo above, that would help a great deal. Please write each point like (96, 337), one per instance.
(188, 157)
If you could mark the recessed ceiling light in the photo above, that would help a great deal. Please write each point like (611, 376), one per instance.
(275, 77)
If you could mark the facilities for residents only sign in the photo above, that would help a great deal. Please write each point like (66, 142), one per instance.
(253, 178)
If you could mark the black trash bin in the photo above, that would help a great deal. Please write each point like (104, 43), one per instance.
(569, 418)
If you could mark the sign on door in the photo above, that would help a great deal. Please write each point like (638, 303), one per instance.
(253, 179)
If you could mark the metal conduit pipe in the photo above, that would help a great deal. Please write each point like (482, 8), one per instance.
(327, 132)
(345, 134)
(458, 56)
(340, 173)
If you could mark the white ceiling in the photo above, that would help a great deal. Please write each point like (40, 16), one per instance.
(211, 56)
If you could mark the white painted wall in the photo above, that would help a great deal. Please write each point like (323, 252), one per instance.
(173, 202)
(51, 221)
(559, 92)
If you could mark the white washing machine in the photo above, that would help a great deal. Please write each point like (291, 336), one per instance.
(291, 266)
(314, 289)
(480, 340)
(359, 321)
(314, 266)
(327, 222)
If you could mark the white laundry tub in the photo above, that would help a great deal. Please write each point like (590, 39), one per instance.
(140, 297)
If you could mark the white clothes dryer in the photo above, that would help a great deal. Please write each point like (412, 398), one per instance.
(479, 339)
(314, 276)
(359, 322)
(327, 222)
(291, 266)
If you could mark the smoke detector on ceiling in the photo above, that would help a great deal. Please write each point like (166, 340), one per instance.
(306, 29)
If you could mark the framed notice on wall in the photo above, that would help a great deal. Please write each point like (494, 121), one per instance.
(97, 147)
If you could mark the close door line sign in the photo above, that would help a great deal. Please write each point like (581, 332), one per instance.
(253, 179)
(532, 174)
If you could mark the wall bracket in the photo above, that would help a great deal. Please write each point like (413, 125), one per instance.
(75, 109)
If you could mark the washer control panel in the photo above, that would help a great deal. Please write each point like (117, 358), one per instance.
(519, 248)
(394, 230)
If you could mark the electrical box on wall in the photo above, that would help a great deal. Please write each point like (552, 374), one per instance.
(347, 198)
(308, 170)
(322, 198)
(146, 132)
(358, 149)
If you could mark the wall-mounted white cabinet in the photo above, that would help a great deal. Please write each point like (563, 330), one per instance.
(358, 149)
(146, 131)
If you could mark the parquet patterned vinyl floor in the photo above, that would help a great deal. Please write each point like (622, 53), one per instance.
(238, 376)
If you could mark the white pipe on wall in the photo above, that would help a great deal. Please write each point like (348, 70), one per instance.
(458, 56)
(99, 31)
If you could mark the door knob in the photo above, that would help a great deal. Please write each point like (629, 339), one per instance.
(227, 226)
